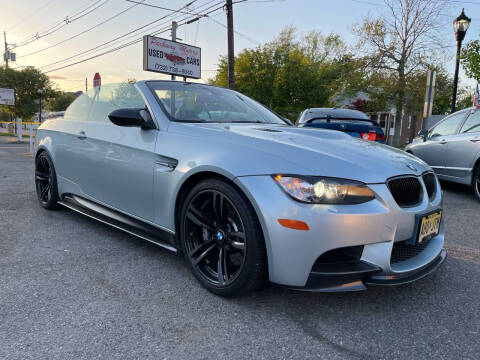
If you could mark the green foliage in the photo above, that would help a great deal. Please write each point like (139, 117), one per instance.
(26, 83)
(60, 100)
(291, 74)
(470, 58)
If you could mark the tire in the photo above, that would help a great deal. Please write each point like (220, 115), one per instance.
(476, 182)
(46, 182)
(222, 240)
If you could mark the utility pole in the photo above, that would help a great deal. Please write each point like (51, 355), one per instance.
(427, 108)
(174, 36)
(231, 52)
(39, 91)
(6, 49)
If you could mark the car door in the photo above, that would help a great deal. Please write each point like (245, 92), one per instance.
(464, 148)
(117, 162)
(67, 141)
(435, 149)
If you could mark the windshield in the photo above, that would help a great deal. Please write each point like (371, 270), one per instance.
(187, 102)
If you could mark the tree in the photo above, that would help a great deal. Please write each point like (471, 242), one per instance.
(400, 41)
(365, 106)
(290, 73)
(465, 98)
(60, 100)
(470, 58)
(26, 83)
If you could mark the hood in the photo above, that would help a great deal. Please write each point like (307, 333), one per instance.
(317, 152)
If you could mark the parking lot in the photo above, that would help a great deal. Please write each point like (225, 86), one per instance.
(74, 288)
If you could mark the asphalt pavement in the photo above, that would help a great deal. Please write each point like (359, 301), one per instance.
(72, 288)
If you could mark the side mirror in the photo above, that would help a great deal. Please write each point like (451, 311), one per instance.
(132, 117)
(423, 134)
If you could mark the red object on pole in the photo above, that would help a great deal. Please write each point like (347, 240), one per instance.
(97, 80)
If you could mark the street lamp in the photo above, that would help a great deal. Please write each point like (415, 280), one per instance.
(39, 91)
(460, 26)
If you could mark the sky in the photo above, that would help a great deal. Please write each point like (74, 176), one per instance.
(256, 21)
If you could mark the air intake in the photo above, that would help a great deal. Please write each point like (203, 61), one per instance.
(430, 184)
(407, 191)
(401, 251)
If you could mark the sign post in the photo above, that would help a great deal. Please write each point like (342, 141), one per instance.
(19, 129)
(170, 57)
(427, 108)
(97, 80)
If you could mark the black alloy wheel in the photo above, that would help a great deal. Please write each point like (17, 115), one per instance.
(222, 240)
(476, 182)
(46, 182)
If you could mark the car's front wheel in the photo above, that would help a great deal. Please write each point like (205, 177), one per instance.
(46, 181)
(476, 182)
(222, 240)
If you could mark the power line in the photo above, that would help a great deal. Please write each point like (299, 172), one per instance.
(30, 14)
(75, 87)
(75, 80)
(165, 29)
(126, 44)
(161, 7)
(82, 32)
(236, 32)
(74, 13)
(60, 25)
(107, 43)
(130, 34)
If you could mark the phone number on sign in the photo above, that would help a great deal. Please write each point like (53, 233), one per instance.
(173, 69)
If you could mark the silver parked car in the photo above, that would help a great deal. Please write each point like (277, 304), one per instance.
(245, 197)
(452, 148)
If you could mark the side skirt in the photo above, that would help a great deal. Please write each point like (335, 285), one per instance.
(120, 221)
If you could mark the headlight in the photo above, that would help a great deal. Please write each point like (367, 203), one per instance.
(323, 190)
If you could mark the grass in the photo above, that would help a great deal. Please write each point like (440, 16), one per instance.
(12, 135)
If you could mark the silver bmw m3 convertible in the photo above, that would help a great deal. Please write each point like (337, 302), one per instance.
(247, 198)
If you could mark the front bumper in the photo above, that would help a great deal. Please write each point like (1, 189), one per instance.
(375, 225)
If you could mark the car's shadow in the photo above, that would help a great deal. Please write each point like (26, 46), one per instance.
(430, 318)
(421, 320)
(426, 319)
(459, 189)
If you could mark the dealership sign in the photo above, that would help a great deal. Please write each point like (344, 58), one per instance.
(7, 96)
(170, 57)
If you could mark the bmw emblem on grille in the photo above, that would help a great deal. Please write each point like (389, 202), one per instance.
(412, 167)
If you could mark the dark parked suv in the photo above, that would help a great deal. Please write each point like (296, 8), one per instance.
(352, 122)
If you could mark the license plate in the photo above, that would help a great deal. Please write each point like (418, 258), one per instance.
(429, 226)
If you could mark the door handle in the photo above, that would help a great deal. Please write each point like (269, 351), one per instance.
(443, 142)
(81, 135)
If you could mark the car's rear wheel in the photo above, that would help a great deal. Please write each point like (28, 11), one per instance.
(476, 182)
(222, 240)
(46, 182)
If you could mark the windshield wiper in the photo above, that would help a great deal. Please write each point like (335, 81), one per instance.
(245, 121)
